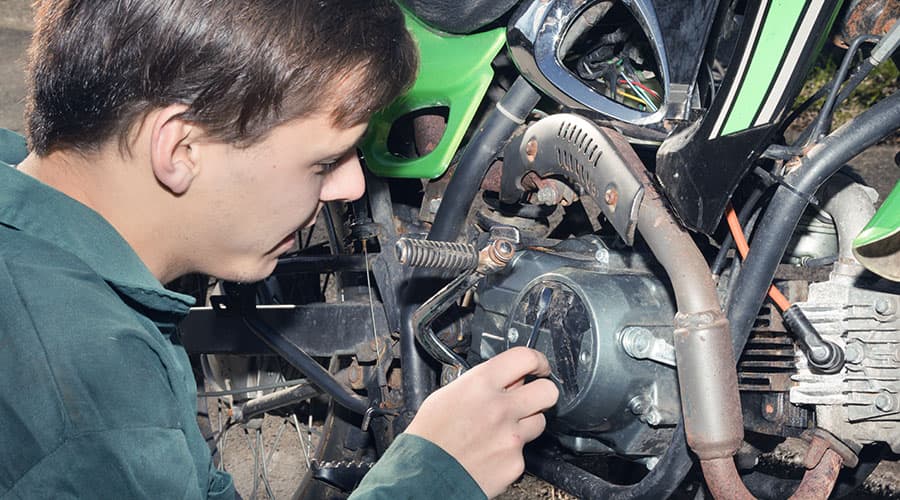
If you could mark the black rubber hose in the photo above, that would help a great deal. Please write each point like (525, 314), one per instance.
(788, 203)
(823, 121)
(661, 482)
(306, 364)
(487, 142)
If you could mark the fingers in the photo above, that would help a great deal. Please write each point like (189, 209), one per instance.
(511, 366)
(532, 427)
(533, 397)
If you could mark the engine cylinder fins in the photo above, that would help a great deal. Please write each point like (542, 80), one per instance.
(442, 255)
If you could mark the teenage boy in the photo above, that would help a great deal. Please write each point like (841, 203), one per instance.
(182, 136)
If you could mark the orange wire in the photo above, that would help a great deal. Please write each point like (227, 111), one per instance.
(743, 249)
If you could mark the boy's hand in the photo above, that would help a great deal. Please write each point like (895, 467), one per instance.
(485, 417)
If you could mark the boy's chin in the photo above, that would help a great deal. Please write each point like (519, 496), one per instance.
(247, 272)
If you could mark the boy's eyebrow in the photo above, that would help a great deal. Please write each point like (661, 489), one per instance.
(351, 147)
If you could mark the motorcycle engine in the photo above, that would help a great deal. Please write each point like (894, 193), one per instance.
(605, 324)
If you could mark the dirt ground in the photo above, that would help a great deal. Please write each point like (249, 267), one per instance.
(285, 442)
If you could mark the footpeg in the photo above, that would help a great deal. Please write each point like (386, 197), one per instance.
(342, 475)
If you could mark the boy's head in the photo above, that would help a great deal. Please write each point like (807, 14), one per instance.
(233, 119)
(241, 67)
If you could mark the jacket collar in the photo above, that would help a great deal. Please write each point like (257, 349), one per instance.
(32, 207)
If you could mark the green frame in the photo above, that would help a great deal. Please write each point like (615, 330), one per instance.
(454, 72)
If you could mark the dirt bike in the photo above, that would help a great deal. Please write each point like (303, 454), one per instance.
(582, 177)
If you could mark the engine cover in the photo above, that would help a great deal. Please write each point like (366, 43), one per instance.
(607, 332)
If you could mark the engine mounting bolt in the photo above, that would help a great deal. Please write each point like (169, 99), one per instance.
(886, 402)
(639, 405)
(513, 335)
(531, 148)
(854, 353)
(611, 197)
(547, 196)
(883, 307)
(637, 342)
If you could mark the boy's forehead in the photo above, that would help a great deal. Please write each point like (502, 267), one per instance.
(320, 133)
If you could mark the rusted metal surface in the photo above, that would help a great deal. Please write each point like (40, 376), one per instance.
(713, 422)
(428, 132)
(493, 177)
(869, 17)
(723, 480)
(819, 481)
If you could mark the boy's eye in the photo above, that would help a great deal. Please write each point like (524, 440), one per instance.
(325, 167)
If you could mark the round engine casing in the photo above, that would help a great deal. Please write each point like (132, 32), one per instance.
(627, 404)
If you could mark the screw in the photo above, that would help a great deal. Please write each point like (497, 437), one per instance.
(885, 401)
(638, 405)
(637, 341)
(434, 205)
(854, 353)
(501, 252)
(653, 418)
(531, 148)
(602, 256)
(547, 196)
(513, 335)
(584, 357)
(883, 307)
(611, 197)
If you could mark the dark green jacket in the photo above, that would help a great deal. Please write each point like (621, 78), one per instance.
(98, 398)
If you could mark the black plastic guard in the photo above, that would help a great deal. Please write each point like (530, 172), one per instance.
(458, 16)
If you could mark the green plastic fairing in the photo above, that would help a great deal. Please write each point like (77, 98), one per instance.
(878, 245)
(454, 71)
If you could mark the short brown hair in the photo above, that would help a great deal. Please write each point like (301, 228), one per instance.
(241, 67)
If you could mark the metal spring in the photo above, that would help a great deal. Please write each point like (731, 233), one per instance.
(437, 254)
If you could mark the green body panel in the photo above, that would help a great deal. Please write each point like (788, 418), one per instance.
(877, 246)
(774, 39)
(885, 222)
(454, 71)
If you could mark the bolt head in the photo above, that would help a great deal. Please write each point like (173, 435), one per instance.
(883, 307)
(546, 195)
(611, 196)
(531, 148)
(854, 353)
(636, 405)
(886, 401)
(434, 205)
(513, 335)
(584, 358)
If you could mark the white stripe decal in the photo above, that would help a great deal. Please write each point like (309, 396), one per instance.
(741, 69)
(789, 66)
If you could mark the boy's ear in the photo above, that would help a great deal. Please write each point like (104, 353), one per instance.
(172, 153)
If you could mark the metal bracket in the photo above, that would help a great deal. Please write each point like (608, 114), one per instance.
(597, 161)
(640, 343)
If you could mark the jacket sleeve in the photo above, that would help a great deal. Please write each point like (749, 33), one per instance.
(414, 468)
